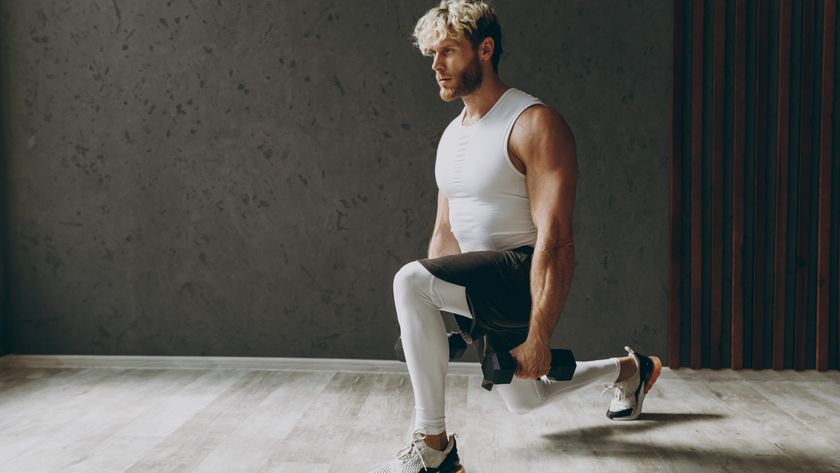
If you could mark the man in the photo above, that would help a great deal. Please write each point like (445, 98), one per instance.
(501, 253)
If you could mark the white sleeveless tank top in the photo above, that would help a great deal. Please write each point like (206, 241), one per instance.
(488, 199)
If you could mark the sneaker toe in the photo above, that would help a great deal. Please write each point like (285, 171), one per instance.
(620, 414)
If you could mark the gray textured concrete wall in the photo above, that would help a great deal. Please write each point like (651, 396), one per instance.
(245, 178)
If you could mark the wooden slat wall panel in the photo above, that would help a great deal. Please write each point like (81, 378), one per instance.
(835, 215)
(738, 100)
(696, 157)
(674, 305)
(803, 232)
(824, 219)
(770, 129)
(761, 183)
(717, 182)
(782, 142)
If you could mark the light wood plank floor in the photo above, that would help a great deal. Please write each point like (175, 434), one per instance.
(92, 420)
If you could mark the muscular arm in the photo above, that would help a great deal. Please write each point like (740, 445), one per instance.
(545, 144)
(443, 242)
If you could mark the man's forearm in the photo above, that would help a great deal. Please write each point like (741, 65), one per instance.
(551, 280)
(443, 244)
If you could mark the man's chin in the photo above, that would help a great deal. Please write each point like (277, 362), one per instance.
(447, 95)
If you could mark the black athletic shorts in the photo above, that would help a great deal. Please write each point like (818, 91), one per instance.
(498, 292)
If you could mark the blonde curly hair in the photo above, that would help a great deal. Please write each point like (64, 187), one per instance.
(473, 19)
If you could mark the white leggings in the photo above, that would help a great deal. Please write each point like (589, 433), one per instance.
(419, 297)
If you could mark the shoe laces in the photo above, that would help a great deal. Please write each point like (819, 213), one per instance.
(621, 387)
(406, 454)
(413, 450)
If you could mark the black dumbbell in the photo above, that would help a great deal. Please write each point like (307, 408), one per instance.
(457, 347)
(499, 368)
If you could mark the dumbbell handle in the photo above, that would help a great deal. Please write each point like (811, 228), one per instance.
(500, 367)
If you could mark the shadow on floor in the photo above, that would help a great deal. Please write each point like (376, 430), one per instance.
(615, 440)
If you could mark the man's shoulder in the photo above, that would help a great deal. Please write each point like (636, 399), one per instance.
(538, 128)
(535, 111)
(540, 118)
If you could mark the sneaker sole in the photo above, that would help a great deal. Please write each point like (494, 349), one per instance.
(460, 469)
(654, 375)
(657, 369)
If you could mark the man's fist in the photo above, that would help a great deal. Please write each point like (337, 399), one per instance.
(533, 359)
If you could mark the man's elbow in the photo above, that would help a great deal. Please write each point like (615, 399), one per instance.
(553, 243)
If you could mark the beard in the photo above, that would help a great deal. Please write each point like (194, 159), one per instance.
(465, 83)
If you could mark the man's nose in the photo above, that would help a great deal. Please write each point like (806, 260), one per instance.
(437, 62)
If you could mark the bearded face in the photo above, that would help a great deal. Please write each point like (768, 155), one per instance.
(462, 82)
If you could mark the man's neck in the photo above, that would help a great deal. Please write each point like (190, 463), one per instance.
(482, 99)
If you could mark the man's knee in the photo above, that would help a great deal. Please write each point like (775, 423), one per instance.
(412, 278)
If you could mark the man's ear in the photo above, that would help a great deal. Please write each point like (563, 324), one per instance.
(487, 47)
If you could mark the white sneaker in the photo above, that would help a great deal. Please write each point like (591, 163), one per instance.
(421, 458)
(630, 393)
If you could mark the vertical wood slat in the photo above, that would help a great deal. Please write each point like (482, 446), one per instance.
(805, 186)
(762, 166)
(780, 253)
(674, 303)
(696, 181)
(738, 102)
(719, 41)
(824, 209)
(761, 307)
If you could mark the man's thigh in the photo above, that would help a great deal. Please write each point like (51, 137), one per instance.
(497, 286)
